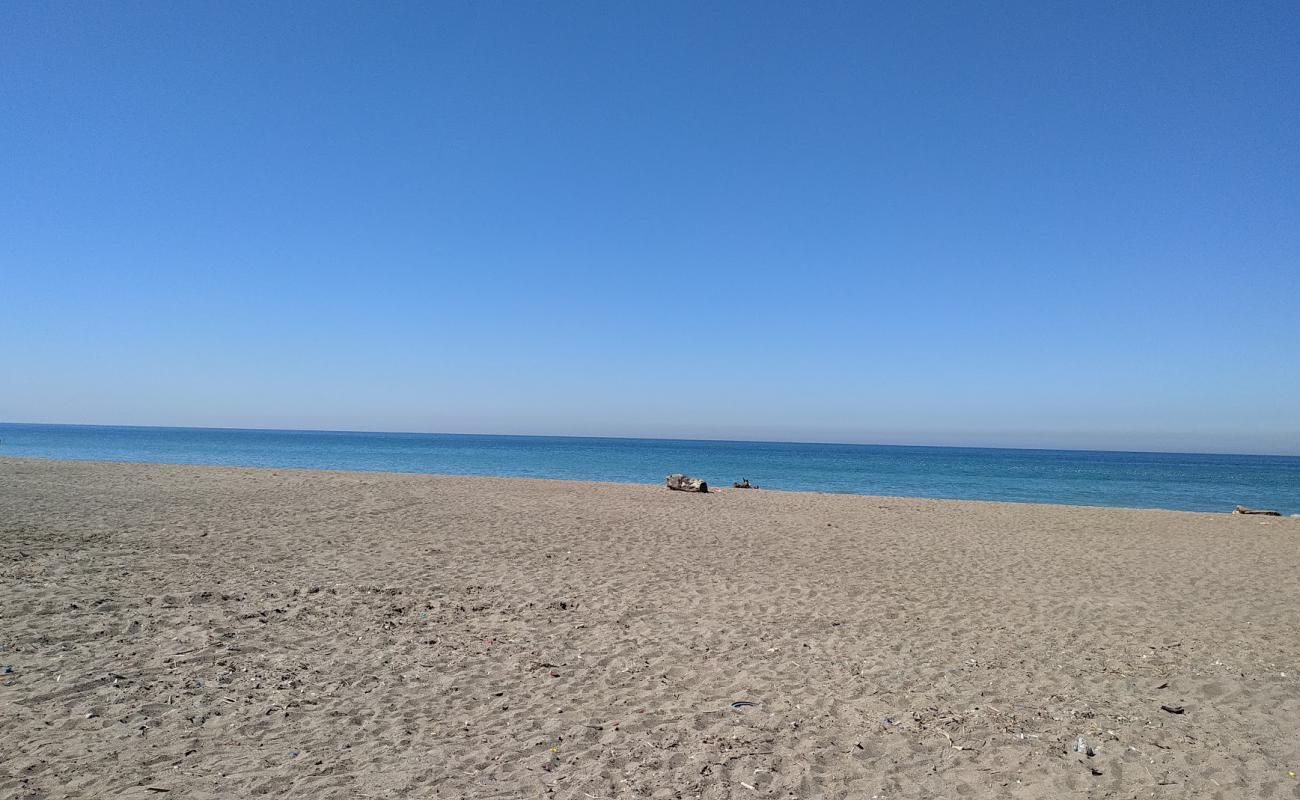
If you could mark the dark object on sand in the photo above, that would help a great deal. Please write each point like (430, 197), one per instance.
(1173, 709)
(1244, 510)
(685, 483)
(743, 484)
(743, 704)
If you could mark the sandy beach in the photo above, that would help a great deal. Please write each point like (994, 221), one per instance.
(194, 632)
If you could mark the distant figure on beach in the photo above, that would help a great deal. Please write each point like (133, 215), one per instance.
(742, 484)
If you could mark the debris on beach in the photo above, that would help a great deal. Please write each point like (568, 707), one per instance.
(1261, 512)
(685, 483)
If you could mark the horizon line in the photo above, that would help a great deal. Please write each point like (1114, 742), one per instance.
(645, 438)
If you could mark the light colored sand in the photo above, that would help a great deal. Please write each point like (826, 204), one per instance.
(331, 635)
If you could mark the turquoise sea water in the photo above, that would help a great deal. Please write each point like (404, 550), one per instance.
(1190, 482)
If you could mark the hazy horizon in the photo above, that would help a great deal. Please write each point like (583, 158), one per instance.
(937, 442)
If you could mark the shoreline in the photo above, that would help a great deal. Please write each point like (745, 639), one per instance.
(712, 489)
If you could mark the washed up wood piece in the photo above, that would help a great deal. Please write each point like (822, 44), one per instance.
(1244, 510)
(685, 483)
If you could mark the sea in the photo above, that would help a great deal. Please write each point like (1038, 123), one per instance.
(1177, 481)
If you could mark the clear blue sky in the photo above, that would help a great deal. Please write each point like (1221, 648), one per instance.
(1032, 224)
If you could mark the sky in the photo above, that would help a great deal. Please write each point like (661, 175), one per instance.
(1029, 224)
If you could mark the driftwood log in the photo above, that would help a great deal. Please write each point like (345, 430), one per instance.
(1244, 510)
(685, 483)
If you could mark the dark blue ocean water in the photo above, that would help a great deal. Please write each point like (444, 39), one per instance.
(1140, 480)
